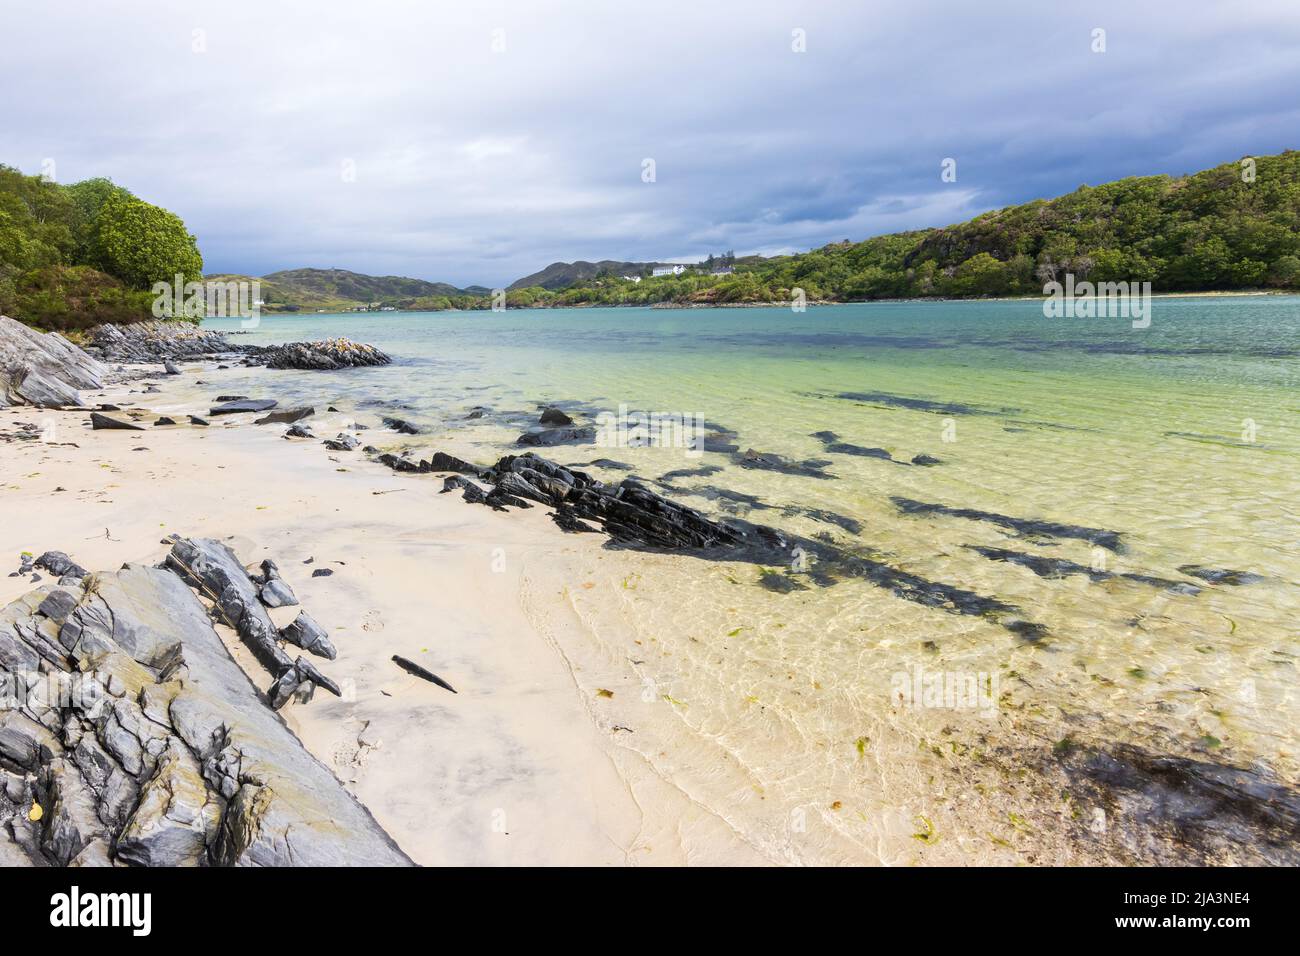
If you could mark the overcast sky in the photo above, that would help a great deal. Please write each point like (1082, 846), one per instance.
(475, 142)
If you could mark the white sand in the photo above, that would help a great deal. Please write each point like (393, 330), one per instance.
(518, 767)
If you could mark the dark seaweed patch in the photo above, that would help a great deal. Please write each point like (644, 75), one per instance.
(1027, 526)
(1154, 803)
(922, 404)
(1221, 575)
(1047, 567)
(833, 444)
(768, 461)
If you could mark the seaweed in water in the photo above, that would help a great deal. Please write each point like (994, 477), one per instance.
(1159, 806)
(835, 446)
(1049, 567)
(1109, 540)
(922, 404)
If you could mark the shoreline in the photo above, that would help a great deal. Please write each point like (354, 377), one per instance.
(686, 306)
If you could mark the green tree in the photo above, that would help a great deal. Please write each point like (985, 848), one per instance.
(141, 244)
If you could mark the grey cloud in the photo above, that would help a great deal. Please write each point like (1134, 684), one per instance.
(477, 167)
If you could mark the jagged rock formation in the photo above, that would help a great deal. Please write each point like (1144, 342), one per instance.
(156, 342)
(164, 341)
(43, 369)
(130, 735)
(327, 355)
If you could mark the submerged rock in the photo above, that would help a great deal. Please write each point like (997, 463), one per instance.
(1026, 526)
(768, 461)
(1046, 566)
(1221, 575)
(833, 444)
(1161, 808)
(551, 437)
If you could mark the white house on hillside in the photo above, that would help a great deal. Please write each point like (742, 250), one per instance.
(668, 270)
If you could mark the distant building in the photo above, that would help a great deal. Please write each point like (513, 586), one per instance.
(667, 270)
(632, 278)
(723, 271)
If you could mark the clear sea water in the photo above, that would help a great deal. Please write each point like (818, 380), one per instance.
(1184, 438)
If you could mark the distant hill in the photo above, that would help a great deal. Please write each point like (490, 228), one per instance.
(334, 290)
(1233, 227)
(561, 275)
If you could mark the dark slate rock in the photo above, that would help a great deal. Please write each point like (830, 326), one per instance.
(553, 416)
(304, 632)
(98, 421)
(444, 462)
(469, 490)
(276, 593)
(401, 425)
(244, 405)
(60, 565)
(286, 416)
(398, 463)
(342, 442)
(551, 437)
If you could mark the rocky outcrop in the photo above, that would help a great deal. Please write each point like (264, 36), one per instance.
(43, 369)
(214, 569)
(157, 341)
(167, 341)
(131, 736)
(326, 355)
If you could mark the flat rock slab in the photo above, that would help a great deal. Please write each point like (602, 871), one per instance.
(244, 405)
(285, 416)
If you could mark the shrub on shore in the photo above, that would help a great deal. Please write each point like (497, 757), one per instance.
(72, 298)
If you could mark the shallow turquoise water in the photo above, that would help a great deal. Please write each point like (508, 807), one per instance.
(1182, 438)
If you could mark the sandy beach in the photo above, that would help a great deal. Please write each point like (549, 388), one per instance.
(516, 768)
